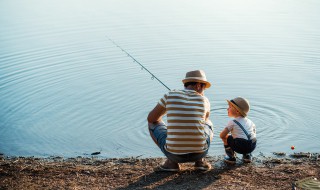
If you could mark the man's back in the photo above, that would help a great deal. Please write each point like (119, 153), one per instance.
(186, 112)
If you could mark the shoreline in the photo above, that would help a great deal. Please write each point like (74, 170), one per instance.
(276, 172)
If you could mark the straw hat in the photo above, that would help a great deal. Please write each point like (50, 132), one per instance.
(241, 104)
(196, 76)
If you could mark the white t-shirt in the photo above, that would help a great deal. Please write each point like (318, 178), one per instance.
(237, 132)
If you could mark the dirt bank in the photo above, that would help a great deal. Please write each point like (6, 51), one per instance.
(278, 172)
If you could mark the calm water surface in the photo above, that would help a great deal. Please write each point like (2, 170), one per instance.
(66, 90)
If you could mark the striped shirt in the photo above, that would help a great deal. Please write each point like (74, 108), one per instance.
(186, 113)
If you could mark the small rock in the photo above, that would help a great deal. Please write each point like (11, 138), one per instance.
(279, 153)
(301, 155)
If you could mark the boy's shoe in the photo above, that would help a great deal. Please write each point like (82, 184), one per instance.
(230, 157)
(202, 165)
(169, 166)
(247, 158)
(230, 160)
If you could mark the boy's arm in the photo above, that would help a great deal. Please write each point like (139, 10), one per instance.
(155, 116)
(224, 133)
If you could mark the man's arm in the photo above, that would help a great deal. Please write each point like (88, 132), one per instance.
(155, 116)
(207, 116)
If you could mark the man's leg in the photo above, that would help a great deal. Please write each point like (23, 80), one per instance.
(158, 133)
(202, 164)
(151, 128)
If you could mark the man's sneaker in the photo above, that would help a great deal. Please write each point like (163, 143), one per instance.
(230, 160)
(202, 165)
(247, 158)
(169, 166)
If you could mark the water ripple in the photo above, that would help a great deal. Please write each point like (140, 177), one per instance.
(65, 89)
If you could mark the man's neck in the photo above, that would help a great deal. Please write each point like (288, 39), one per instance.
(192, 88)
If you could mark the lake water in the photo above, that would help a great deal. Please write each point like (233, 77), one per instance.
(66, 90)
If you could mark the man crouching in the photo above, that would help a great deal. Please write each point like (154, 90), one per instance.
(188, 133)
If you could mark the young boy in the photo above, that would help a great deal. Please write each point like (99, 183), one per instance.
(243, 131)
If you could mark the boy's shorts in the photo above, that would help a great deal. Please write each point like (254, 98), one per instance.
(241, 146)
(159, 133)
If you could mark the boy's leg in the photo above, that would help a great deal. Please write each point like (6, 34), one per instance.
(230, 158)
(247, 157)
(225, 139)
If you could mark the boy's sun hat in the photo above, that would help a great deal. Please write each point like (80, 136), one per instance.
(196, 76)
(241, 104)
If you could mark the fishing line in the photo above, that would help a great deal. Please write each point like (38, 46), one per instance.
(136, 61)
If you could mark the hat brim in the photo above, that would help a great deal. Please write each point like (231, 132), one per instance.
(208, 84)
(237, 108)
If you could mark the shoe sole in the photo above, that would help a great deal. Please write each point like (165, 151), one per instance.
(169, 169)
(246, 161)
(202, 168)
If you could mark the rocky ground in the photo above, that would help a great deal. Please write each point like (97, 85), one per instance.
(277, 172)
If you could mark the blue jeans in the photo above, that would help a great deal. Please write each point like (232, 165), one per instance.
(158, 133)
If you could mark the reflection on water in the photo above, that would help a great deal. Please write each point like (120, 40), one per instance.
(65, 89)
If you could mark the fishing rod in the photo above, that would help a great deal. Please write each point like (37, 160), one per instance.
(142, 67)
